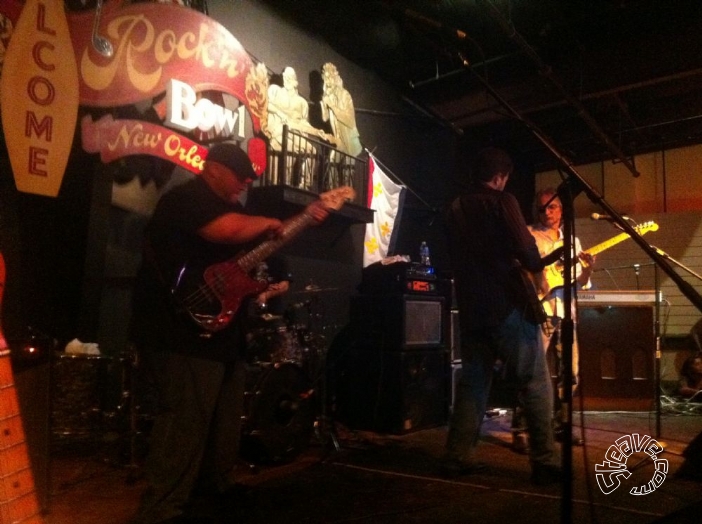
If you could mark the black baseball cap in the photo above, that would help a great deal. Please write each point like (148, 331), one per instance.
(233, 157)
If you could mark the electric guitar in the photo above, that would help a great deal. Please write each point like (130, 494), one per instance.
(212, 297)
(18, 501)
(553, 274)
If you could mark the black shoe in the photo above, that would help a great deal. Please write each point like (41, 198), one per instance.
(545, 474)
(454, 468)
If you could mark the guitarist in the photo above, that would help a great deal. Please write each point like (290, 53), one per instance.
(199, 379)
(486, 235)
(548, 233)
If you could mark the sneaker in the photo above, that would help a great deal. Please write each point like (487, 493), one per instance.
(545, 474)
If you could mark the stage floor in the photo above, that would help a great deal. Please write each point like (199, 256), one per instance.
(376, 478)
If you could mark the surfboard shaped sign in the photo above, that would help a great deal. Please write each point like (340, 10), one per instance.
(39, 97)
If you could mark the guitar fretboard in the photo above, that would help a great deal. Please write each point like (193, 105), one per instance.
(18, 502)
(291, 229)
(595, 250)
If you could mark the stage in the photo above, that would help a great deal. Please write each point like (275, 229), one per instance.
(395, 478)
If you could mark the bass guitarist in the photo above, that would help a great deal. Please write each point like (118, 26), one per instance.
(199, 373)
(548, 233)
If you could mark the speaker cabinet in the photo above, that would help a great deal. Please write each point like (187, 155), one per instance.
(617, 350)
(399, 322)
(394, 392)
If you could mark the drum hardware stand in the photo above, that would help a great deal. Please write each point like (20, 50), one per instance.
(129, 407)
(130, 396)
(324, 427)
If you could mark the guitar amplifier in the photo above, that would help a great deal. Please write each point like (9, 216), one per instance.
(399, 322)
(402, 278)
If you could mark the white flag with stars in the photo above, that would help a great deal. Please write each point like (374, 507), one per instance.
(385, 197)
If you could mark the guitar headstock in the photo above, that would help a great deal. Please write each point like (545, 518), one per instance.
(646, 227)
(336, 198)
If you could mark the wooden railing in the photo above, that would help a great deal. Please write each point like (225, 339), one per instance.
(314, 165)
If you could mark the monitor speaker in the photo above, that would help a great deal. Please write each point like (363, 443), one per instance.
(394, 392)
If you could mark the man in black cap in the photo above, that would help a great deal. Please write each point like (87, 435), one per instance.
(197, 368)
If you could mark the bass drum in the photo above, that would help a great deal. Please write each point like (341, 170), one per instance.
(78, 384)
(279, 409)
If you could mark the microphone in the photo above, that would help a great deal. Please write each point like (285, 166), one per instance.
(435, 24)
(597, 216)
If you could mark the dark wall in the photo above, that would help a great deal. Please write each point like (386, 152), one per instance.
(43, 241)
(416, 150)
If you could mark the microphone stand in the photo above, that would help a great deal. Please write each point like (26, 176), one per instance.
(566, 193)
(657, 360)
(570, 188)
(676, 262)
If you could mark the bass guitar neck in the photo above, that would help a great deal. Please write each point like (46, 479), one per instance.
(18, 500)
(212, 298)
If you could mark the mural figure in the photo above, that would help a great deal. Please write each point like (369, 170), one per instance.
(338, 110)
(287, 107)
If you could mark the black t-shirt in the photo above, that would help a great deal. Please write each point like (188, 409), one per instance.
(174, 259)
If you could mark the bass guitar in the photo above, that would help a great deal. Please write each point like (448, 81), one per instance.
(212, 298)
(553, 274)
(18, 500)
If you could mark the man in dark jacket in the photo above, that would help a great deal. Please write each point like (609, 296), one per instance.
(490, 249)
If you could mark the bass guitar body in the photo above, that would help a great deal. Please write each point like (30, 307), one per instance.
(213, 296)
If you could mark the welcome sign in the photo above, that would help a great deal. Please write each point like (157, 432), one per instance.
(39, 97)
(153, 44)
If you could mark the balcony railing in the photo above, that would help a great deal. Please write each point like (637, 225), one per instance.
(313, 165)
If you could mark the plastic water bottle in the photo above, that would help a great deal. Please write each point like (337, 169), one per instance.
(424, 256)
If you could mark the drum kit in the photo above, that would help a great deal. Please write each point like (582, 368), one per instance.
(285, 379)
(285, 383)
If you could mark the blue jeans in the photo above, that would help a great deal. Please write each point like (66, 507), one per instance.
(516, 343)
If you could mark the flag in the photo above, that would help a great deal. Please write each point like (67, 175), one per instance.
(386, 198)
